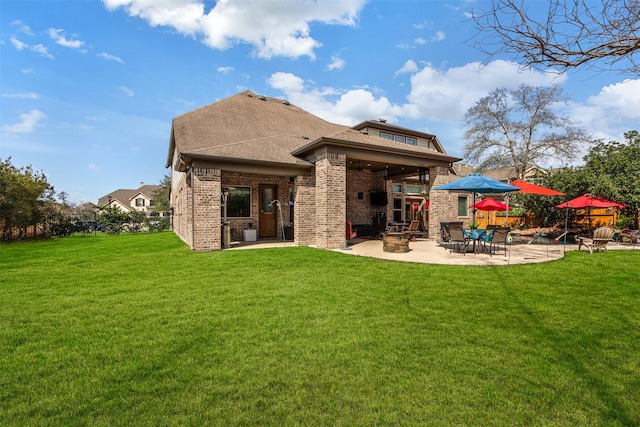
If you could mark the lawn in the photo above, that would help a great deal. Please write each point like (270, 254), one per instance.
(137, 330)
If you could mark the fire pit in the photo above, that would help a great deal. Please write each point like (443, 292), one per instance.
(395, 242)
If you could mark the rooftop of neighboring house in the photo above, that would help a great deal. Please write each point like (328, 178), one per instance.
(124, 196)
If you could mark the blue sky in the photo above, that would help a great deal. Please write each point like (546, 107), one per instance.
(88, 89)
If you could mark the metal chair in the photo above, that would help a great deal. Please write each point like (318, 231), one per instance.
(458, 240)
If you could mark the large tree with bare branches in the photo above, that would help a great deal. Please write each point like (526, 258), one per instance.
(519, 128)
(563, 34)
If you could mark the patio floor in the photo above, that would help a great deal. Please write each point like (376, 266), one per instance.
(430, 252)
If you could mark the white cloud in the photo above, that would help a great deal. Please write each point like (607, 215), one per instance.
(337, 63)
(409, 67)
(62, 40)
(606, 114)
(94, 167)
(420, 40)
(28, 95)
(438, 37)
(27, 71)
(272, 27)
(42, 51)
(23, 28)
(445, 95)
(18, 44)
(109, 57)
(225, 70)
(28, 123)
(126, 90)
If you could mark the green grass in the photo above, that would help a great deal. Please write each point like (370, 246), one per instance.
(137, 330)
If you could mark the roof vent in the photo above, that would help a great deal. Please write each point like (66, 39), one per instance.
(262, 98)
(285, 102)
(249, 95)
(383, 120)
(305, 137)
(364, 132)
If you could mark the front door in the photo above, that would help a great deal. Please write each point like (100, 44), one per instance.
(267, 221)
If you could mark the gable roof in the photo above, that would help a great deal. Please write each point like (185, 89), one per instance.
(124, 196)
(248, 128)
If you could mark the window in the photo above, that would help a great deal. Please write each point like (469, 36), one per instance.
(411, 141)
(239, 203)
(397, 209)
(413, 189)
(386, 135)
(152, 202)
(463, 206)
(397, 188)
(398, 138)
(139, 201)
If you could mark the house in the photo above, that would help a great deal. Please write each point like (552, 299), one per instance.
(255, 162)
(140, 199)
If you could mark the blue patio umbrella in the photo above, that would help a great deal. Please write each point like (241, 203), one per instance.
(476, 183)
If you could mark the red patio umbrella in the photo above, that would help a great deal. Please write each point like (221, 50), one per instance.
(490, 204)
(587, 202)
(528, 188)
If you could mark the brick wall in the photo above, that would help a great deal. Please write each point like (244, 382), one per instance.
(181, 198)
(304, 232)
(207, 221)
(443, 205)
(330, 200)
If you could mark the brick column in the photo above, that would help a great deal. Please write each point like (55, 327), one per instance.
(304, 211)
(207, 221)
(331, 200)
(442, 205)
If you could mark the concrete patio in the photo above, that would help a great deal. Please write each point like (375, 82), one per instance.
(430, 252)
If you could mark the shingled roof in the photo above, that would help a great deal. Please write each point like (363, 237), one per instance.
(124, 196)
(250, 128)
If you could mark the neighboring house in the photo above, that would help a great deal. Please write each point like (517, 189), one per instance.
(140, 199)
(507, 174)
(282, 169)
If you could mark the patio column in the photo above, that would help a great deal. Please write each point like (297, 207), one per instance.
(206, 211)
(304, 212)
(331, 200)
(441, 207)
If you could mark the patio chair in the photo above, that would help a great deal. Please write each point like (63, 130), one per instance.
(458, 240)
(412, 229)
(601, 236)
(499, 237)
(350, 233)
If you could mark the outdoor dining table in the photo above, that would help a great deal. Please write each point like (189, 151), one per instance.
(478, 235)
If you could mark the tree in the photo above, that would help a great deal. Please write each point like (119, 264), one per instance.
(161, 196)
(22, 193)
(611, 170)
(519, 128)
(564, 35)
(113, 219)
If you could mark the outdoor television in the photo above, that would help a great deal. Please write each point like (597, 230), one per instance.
(379, 198)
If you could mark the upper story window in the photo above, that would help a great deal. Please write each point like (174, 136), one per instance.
(399, 138)
(152, 202)
(139, 201)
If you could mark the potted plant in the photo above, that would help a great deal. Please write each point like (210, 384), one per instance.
(474, 224)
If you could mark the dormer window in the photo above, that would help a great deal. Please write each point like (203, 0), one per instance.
(139, 201)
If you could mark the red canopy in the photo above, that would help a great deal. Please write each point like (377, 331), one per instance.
(528, 188)
(587, 201)
(489, 204)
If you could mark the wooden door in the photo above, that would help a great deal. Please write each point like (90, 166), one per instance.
(268, 211)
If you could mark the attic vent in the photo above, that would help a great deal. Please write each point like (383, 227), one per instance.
(383, 120)
(262, 98)
(364, 132)
(249, 95)
(285, 102)
(305, 137)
